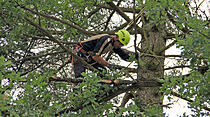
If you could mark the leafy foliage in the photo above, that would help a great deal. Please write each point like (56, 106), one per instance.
(29, 57)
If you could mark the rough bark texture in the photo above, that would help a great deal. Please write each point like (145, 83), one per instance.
(151, 67)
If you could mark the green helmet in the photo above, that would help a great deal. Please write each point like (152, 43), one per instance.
(124, 36)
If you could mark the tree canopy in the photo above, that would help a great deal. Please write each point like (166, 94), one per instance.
(36, 42)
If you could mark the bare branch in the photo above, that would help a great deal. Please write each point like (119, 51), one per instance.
(93, 12)
(119, 11)
(126, 98)
(61, 45)
(38, 56)
(32, 69)
(175, 67)
(173, 56)
(109, 18)
(189, 100)
(129, 10)
(79, 80)
(119, 91)
(105, 99)
(167, 47)
(45, 38)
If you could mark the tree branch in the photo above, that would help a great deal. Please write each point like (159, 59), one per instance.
(79, 80)
(44, 38)
(93, 12)
(181, 66)
(171, 18)
(116, 8)
(173, 56)
(189, 100)
(142, 83)
(38, 56)
(126, 98)
(114, 94)
(109, 18)
(61, 45)
(32, 69)
(129, 10)
(105, 99)
(61, 21)
(167, 47)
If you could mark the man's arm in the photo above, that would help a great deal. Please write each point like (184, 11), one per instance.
(100, 60)
(121, 53)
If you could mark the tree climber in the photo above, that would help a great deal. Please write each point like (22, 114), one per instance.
(92, 49)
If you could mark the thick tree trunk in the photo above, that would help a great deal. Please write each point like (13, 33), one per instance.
(151, 67)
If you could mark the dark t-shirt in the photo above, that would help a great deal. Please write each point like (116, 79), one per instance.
(102, 44)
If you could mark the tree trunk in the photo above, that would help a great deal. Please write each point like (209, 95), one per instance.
(151, 67)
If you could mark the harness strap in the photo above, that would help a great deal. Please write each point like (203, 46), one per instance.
(79, 48)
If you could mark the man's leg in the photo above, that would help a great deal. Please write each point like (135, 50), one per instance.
(78, 69)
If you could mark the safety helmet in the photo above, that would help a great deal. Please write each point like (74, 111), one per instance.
(124, 36)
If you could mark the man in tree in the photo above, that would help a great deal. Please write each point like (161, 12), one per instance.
(92, 49)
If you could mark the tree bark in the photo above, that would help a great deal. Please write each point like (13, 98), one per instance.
(151, 67)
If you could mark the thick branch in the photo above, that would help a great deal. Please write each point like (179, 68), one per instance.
(61, 45)
(109, 18)
(142, 83)
(116, 8)
(105, 99)
(126, 98)
(111, 95)
(134, 70)
(167, 47)
(78, 80)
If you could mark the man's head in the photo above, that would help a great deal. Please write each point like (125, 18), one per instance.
(123, 38)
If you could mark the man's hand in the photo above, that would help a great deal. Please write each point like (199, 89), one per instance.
(100, 60)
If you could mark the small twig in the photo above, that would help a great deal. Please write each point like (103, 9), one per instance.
(32, 69)
(38, 56)
(173, 56)
(189, 100)
(34, 37)
(175, 67)
(93, 12)
(57, 19)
